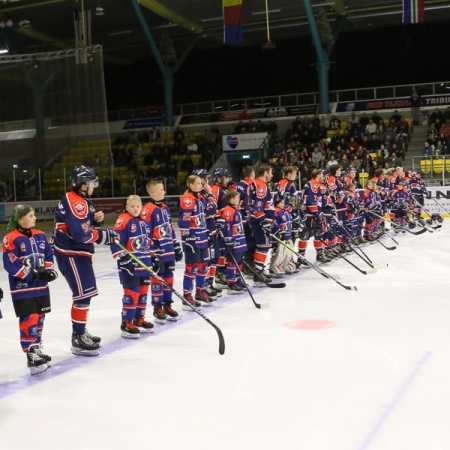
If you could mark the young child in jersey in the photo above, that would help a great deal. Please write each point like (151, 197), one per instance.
(28, 259)
(134, 234)
(165, 250)
(230, 225)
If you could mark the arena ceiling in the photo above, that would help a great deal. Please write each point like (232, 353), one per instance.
(123, 40)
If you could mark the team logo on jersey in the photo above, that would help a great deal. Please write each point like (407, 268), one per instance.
(136, 243)
(119, 222)
(79, 209)
(23, 247)
(187, 202)
(227, 215)
(6, 241)
(133, 228)
(86, 226)
(260, 192)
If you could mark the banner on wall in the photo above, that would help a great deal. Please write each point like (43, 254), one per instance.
(112, 207)
(393, 103)
(238, 142)
(247, 114)
(143, 123)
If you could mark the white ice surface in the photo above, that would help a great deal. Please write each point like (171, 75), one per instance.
(376, 376)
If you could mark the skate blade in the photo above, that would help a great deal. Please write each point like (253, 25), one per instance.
(234, 293)
(172, 319)
(80, 352)
(38, 369)
(160, 321)
(145, 330)
(206, 304)
(126, 335)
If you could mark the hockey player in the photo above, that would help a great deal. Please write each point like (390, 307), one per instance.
(213, 242)
(243, 187)
(262, 217)
(373, 209)
(350, 176)
(165, 250)
(232, 231)
(400, 200)
(77, 227)
(28, 259)
(315, 198)
(380, 180)
(194, 235)
(222, 179)
(287, 186)
(133, 233)
(418, 189)
(281, 261)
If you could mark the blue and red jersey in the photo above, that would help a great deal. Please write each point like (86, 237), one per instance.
(315, 197)
(134, 234)
(219, 195)
(20, 255)
(243, 187)
(192, 218)
(161, 232)
(336, 188)
(283, 223)
(75, 227)
(288, 189)
(234, 229)
(400, 197)
(261, 202)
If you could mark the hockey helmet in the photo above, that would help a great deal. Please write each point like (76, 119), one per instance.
(220, 172)
(411, 224)
(202, 173)
(277, 198)
(83, 175)
(351, 169)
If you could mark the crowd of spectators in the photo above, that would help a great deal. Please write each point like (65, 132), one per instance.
(164, 158)
(438, 134)
(362, 141)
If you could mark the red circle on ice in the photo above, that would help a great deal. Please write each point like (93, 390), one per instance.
(313, 324)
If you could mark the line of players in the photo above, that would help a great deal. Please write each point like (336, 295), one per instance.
(222, 226)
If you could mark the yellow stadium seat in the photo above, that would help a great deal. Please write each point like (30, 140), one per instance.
(425, 166)
(447, 165)
(438, 165)
(363, 178)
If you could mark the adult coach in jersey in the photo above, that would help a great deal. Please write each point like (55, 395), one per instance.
(77, 227)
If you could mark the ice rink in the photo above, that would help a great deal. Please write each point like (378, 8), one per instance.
(322, 369)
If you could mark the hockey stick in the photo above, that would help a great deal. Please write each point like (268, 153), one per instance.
(168, 286)
(314, 266)
(419, 222)
(367, 261)
(351, 239)
(433, 221)
(364, 272)
(394, 225)
(258, 305)
(439, 205)
(270, 285)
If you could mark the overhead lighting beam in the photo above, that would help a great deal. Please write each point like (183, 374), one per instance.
(211, 19)
(169, 25)
(264, 12)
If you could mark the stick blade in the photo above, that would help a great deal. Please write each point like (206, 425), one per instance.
(277, 285)
(264, 305)
(370, 271)
(380, 266)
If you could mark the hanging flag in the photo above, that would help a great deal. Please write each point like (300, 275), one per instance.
(232, 20)
(413, 11)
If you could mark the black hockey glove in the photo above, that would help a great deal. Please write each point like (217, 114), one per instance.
(267, 225)
(46, 275)
(156, 259)
(126, 264)
(1, 294)
(105, 237)
(178, 251)
(189, 243)
(220, 223)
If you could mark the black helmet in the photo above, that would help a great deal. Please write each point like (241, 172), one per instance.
(83, 175)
